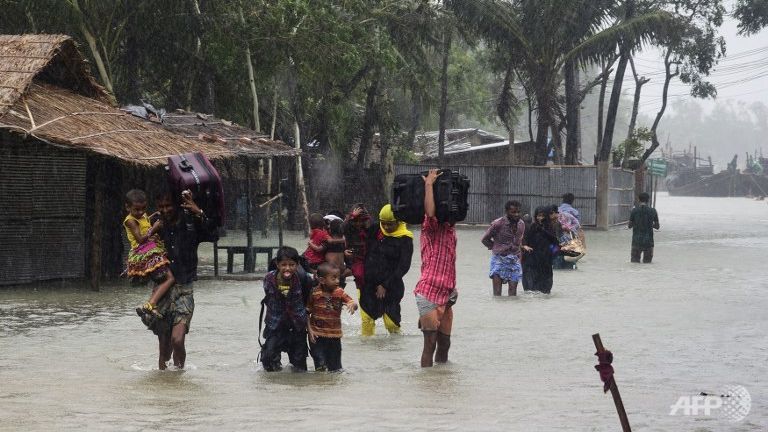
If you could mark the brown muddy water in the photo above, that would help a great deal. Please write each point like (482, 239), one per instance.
(693, 321)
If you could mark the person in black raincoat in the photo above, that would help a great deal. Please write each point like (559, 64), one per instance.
(539, 246)
(388, 258)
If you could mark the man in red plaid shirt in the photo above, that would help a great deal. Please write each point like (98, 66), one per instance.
(436, 290)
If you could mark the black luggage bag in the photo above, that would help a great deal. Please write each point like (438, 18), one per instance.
(451, 191)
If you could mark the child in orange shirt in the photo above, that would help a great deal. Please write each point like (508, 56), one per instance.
(324, 325)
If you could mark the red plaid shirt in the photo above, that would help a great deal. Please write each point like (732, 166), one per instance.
(438, 261)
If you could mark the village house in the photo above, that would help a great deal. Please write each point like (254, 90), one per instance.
(68, 155)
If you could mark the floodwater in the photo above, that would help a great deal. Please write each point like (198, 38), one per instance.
(693, 321)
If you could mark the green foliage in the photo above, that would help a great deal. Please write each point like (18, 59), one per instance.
(752, 15)
(632, 147)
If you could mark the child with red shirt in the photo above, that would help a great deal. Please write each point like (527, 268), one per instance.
(315, 253)
(324, 326)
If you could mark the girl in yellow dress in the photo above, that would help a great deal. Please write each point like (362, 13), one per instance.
(147, 258)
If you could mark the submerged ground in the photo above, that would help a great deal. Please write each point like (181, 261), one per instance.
(693, 321)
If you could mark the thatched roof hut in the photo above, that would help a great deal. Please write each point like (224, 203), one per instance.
(68, 155)
(47, 92)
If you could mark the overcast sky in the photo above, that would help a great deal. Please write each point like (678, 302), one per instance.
(741, 75)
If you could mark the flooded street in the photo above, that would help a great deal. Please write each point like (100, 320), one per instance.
(693, 321)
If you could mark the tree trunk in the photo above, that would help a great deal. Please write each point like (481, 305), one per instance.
(613, 107)
(302, 198)
(251, 81)
(600, 110)
(92, 45)
(667, 79)
(606, 144)
(443, 95)
(542, 134)
(274, 113)
(415, 119)
(572, 109)
(369, 122)
(639, 83)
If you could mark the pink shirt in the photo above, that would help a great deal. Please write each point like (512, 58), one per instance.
(438, 261)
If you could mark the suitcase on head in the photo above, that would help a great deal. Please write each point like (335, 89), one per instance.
(408, 198)
(451, 192)
(195, 172)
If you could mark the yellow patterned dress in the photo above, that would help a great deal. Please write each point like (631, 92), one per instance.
(145, 260)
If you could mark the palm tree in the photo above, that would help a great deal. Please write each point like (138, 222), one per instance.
(542, 36)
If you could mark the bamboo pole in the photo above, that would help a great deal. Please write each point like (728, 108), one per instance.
(614, 389)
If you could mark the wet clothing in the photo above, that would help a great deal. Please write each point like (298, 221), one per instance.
(285, 306)
(285, 321)
(177, 307)
(506, 267)
(647, 254)
(325, 311)
(356, 241)
(145, 260)
(388, 259)
(537, 264)
(438, 261)
(504, 237)
(284, 338)
(436, 317)
(643, 220)
(317, 237)
(326, 353)
(567, 208)
(181, 241)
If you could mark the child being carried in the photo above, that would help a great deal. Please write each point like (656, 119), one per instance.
(147, 257)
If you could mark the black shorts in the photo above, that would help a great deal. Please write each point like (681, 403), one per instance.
(326, 353)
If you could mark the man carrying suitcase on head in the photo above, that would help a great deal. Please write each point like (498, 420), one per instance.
(184, 226)
(436, 290)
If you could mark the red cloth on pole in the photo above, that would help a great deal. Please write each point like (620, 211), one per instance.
(605, 358)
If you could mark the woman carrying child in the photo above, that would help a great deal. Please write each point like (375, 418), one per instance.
(285, 296)
(324, 328)
(388, 259)
(147, 257)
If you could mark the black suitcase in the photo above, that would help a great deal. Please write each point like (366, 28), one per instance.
(408, 198)
(450, 190)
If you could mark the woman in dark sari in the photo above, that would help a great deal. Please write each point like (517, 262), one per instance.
(539, 246)
(388, 258)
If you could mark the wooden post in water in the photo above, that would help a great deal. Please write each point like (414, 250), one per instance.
(98, 224)
(614, 389)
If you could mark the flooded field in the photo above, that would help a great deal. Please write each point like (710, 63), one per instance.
(693, 321)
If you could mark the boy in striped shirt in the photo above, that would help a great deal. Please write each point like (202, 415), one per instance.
(324, 325)
(436, 290)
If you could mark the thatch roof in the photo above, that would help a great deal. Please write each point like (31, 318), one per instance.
(47, 92)
(47, 58)
(210, 129)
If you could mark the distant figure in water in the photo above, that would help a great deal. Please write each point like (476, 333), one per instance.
(436, 289)
(643, 220)
(505, 240)
(539, 245)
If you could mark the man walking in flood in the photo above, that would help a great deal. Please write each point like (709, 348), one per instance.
(505, 240)
(643, 220)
